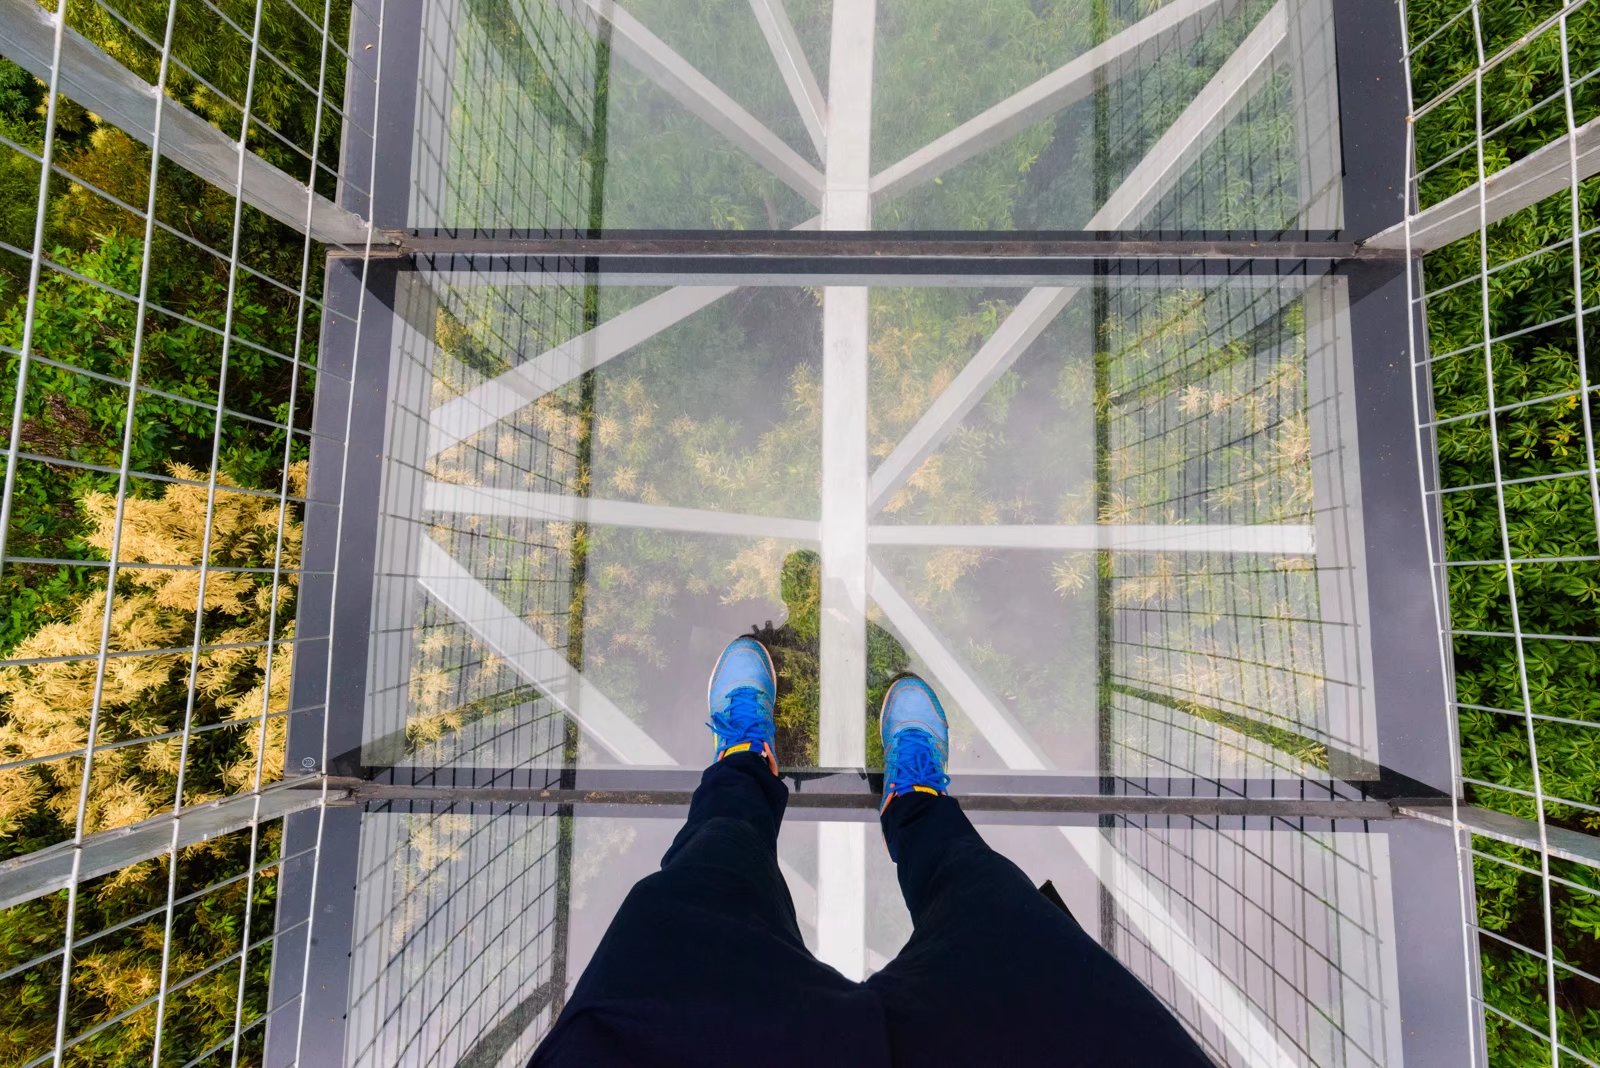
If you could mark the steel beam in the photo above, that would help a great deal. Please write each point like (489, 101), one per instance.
(1181, 144)
(752, 250)
(1267, 539)
(50, 869)
(1575, 846)
(559, 508)
(795, 69)
(1529, 180)
(512, 639)
(843, 639)
(484, 405)
(1050, 94)
(650, 55)
(864, 804)
(847, 205)
(105, 87)
(1174, 151)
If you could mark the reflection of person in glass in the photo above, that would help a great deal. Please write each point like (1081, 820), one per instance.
(704, 963)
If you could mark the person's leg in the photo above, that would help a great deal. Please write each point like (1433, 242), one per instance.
(994, 972)
(995, 969)
(704, 963)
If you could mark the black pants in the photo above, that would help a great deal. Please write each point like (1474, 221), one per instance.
(704, 963)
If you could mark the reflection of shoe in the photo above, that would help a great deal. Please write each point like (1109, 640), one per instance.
(741, 692)
(916, 740)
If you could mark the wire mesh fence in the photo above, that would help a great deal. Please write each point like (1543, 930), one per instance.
(160, 337)
(1507, 310)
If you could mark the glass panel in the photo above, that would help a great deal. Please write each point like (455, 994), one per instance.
(1104, 520)
(472, 924)
(1008, 116)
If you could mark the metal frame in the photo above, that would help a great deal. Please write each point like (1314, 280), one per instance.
(849, 495)
(105, 87)
(1541, 174)
(795, 69)
(1367, 262)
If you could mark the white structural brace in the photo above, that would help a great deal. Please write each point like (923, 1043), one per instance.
(1265, 539)
(1513, 830)
(48, 870)
(1169, 157)
(1217, 995)
(1286, 539)
(796, 71)
(1527, 181)
(486, 404)
(104, 86)
(559, 508)
(489, 402)
(650, 55)
(842, 718)
(1050, 94)
(1009, 740)
(512, 639)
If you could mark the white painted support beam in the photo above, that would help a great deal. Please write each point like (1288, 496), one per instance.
(48, 870)
(484, 405)
(1218, 995)
(841, 897)
(512, 639)
(650, 55)
(1020, 328)
(805, 907)
(795, 69)
(1007, 737)
(842, 715)
(1174, 151)
(843, 638)
(1286, 539)
(847, 205)
(1198, 125)
(560, 508)
(1570, 845)
(1531, 179)
(102, 85)
(1057, 90)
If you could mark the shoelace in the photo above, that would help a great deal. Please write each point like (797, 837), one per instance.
(745, 719)
(916, 762)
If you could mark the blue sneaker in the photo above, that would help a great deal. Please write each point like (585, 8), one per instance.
(916, 740)
(741, 693)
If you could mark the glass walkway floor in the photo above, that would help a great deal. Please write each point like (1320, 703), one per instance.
(1030, 349)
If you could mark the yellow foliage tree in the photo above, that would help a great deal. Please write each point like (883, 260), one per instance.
(46, 705)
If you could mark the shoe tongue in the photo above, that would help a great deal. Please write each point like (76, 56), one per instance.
(746, 700)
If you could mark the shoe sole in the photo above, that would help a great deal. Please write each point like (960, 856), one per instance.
(770, 671)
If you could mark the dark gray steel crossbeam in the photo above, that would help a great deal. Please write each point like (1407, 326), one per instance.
(365, 792)
(801, 245)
